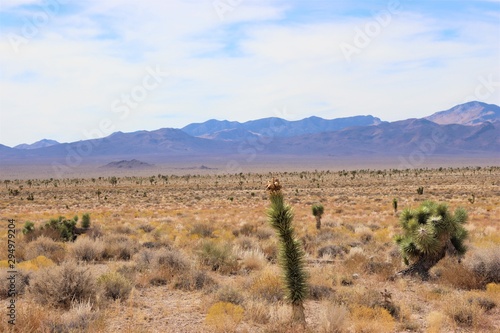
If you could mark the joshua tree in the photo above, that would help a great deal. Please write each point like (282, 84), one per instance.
(85, 221)
(395, 205)
(429, 233)
(318, 210)
(291, 254)
(420, 190)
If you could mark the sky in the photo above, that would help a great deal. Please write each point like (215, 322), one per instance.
(76, 70)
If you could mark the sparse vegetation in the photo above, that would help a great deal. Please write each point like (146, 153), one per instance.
(167, 258)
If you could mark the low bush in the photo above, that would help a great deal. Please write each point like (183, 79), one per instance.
(219, 257)
(86, 249)
(120, 247)
(47, 247)
(61, 286)
(115, 286)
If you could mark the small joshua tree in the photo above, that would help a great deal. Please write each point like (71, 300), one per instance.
(291, 254)
(318, 210)
(420, 190)
(395, 205)
(429, 233)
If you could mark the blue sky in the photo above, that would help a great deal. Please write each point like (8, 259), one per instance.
(73, 70)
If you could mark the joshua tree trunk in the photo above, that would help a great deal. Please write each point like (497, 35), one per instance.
(318, 222)
(298, 315)
(422, 266)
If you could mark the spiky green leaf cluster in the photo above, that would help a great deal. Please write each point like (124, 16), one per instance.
(428, 229)
(318, 210)
(291, 255)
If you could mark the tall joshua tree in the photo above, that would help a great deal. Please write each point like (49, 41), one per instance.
(430, 232)
(318, 210)
(291, 255)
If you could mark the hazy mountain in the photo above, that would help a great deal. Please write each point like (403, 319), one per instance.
(400, 137)
(277, 127)
(274, 136)
(39, 144)
(467, 114)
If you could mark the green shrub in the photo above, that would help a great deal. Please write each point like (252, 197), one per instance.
(115, 286)
(85, 221)
(219, 257)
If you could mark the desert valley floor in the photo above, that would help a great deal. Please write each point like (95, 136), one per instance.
(195, 253)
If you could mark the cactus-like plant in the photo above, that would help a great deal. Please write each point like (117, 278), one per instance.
(429, 233)
(318, 211)
(291, 255)
(395, 205)
(420, 190)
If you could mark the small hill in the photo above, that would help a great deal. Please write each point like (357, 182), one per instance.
(124, 164)
(471, 113)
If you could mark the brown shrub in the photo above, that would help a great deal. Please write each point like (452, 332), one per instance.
(44, 246)
(63, 285)
(22, 279)
(86, 249)
(119, 247)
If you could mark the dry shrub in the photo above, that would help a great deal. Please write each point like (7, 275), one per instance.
(252, 260)
(319, 292)
(47, 247)
(333, 318)
(171, 260)
(270, 250)
(367, 320)
(195, 280)
(202, 230)
(246, 243)
(264, 233)
(464, 313)
(120, 247)
(77, 319)
(115, 286)
(30, 318)
(224, 317)
(267, 286)
(21, 281)
(485, 263)
(60, 286)
(436, 322)
(332, 251)
(452, 273)
(86, 249)
(229, 295)
(355, 261)
(247, 229)
(219, 257)
(257, 312)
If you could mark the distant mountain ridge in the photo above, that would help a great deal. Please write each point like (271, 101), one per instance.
(277, 127)
(470, 113)
(39, 144)
(366, 136)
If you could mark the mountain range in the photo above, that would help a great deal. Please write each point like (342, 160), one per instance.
(468, 129)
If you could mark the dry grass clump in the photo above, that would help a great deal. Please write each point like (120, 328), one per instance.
(78, 319)
(333, 318)
(63, 285)
(252, 260)
(217, 256)
(367, 320)
(229, 294)
(203, 230)
(195, 279)
(115, 286)
(224, 317)
(485, 263)
(267, 285)
(454, 274)
(119, 247)
(86, 249)
(257, 312)
(47, 247)
(464, 314)
(30, 318)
